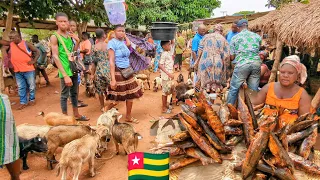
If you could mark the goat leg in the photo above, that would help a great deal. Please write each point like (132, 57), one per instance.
(91, 166)
(149, 84)
(24, 161)
(117, 146)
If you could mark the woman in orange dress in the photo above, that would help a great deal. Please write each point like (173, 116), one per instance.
(286, 94)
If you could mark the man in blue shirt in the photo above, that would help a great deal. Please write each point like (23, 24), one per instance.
(234, 31)
(202, 30)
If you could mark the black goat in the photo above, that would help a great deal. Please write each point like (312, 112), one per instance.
(37, 144)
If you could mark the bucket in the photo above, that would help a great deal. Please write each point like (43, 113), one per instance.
(163, 33)
(116, 11)
(164, 24)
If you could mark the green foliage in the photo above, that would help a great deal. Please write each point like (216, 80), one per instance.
(243, 13)
(279, 3)
(144, 12)
(82, 10)
(42, 33)
(29, 9)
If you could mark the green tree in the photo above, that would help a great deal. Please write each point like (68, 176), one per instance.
(243, 13)
(144, 12)
(83, 11)
(279, 3)
(24, 9)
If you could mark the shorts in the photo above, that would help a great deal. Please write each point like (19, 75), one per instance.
(167, 87)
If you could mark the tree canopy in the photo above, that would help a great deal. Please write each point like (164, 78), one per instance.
(279, 3)
(83, 10)
(243, 13)
(144, 12)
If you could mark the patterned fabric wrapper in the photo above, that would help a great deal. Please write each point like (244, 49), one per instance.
(127, 89)
(138, 62)
(9, 142)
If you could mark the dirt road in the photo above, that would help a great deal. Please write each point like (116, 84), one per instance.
(48, 100)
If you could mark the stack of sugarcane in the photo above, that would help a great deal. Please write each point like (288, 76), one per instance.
(277, 148)
(211, 134)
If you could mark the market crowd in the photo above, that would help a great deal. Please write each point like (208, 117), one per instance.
(218, 62)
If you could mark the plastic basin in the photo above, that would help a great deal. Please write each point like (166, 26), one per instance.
(164, 24)
(163, 33)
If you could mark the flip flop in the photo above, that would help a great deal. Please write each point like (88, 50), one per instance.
(22, 106)
(80, 105)
(82, 118)
(167, 112)
(133, 120)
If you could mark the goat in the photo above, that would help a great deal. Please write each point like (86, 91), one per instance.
(124, 133)
(29, 131)
(58, 136)
(37, 144)
(180, 78)
(56, 119)
(157, 84)
(79, 151)
(107, 120)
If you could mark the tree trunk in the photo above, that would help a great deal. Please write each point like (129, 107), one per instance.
(276, 63)
(18, 28)
(8, 21)
(82, 27)
(6, 37)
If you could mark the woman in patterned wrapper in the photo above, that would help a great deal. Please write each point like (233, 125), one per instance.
(101, 67)
(213, 63)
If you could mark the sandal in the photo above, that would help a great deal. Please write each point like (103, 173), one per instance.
(167, 112)
(170, 107)
(133, 120)
(80, 105)
(82, 118)
(22, 106)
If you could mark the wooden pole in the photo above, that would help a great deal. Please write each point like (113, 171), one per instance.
(277, 59)
(6, 37)
(315, 103)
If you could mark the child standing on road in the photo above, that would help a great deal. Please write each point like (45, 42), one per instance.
(166, 66)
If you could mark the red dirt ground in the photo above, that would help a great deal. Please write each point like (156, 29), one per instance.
(145, 109)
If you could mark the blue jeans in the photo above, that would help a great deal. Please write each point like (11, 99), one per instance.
(249, 73)
(26, 81)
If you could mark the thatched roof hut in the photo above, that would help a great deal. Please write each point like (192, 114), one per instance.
(267, 23)
(300, 27)
(295, 24)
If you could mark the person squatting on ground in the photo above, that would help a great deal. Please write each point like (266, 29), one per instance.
(23, 65)
(121, 88)
(101, 66)
(62, 45)
(166, 66)
(244, 48)
(41, 63)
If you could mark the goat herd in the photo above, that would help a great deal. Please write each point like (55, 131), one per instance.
(82, 143)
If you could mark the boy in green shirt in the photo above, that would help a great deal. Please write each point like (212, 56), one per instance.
(69, 81)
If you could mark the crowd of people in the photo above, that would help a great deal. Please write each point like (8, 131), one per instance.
(218, 61)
